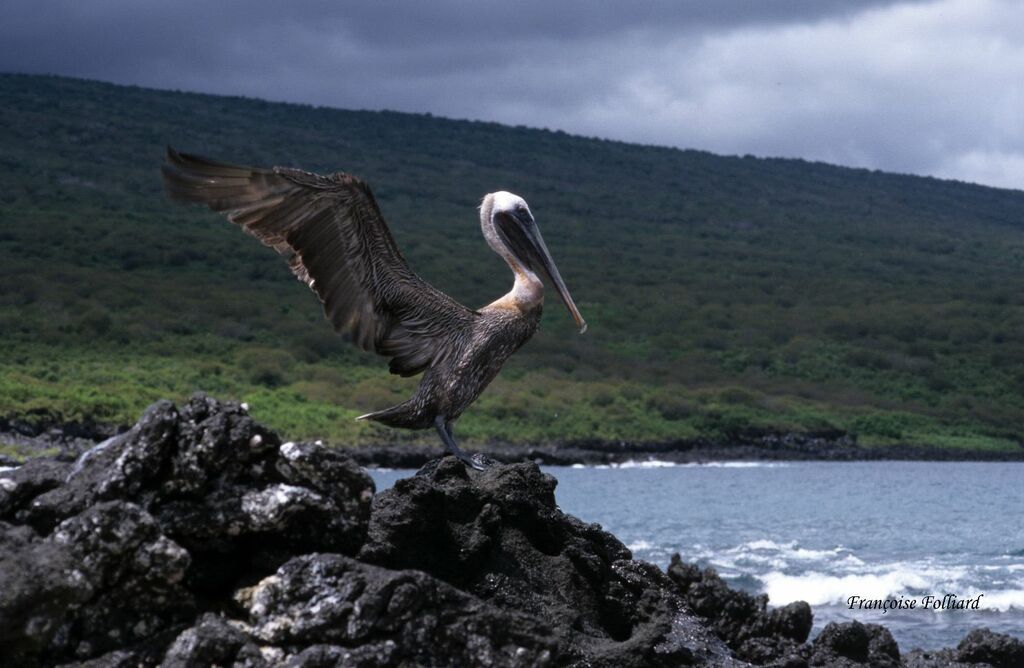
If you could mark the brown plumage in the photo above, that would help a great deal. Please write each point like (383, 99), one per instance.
(336, 241)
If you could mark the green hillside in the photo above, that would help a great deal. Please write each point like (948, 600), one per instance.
(722, 293)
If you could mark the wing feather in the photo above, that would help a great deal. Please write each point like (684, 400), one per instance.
(336, 241)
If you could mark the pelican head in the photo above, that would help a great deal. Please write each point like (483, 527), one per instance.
(512, 232)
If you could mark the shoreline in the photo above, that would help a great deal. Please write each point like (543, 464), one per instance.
(599, 454)
(69, 439)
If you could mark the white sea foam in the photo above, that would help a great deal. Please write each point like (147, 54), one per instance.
(631, 464)
(847, 578)
(745, 465)
(659, 464)
(644, 464)
(824, 588)
(764, 544)
(790, 572)
(734, 465)
(640, 545)
(7, 468)
(1009, 599)
(792, 551)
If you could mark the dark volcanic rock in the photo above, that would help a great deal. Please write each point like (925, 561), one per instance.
(755, 633)
(331, 606)
(142, 532)
(997, 649)
(855, 644)
(213, 642)
(102, 578)
(499, 535)
(980, 647)
(197, 538)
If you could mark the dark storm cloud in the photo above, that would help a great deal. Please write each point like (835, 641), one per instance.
(910, 86)
(132, 38)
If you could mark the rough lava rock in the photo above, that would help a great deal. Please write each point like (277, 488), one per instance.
(980, 647)
(997, 649)
(198, 538)
(340, 609)
(153, 526)
(756, 634)
(498, 535)
(854, 644)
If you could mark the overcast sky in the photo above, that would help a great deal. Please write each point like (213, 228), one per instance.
(927, 87)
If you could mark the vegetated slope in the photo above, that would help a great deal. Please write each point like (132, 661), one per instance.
(722, 292)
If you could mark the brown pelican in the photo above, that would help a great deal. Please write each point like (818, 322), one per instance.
(336, 241)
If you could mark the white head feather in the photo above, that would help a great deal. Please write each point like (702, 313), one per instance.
(506, 201)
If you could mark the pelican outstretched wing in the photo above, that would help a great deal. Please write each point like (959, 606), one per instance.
(336, 241)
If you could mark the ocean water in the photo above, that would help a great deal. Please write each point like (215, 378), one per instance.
(825, 531)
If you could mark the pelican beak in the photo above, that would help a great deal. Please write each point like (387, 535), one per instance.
(524, 240)
(522, 237)
(542, 257)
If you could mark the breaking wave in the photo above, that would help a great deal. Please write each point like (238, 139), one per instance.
(660, 464)
(788, 572)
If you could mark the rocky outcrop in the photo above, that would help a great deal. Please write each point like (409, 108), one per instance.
(754, 633)
(854, 644)
(997, 649)
(154, 526)
(198, 538)
(499, 535)
(980, 647)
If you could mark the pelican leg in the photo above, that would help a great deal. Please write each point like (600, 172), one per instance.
(444, 430)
